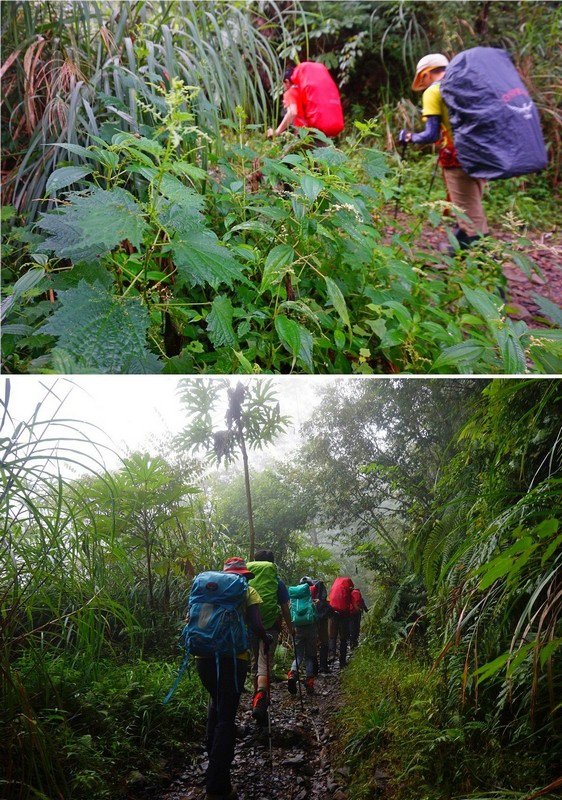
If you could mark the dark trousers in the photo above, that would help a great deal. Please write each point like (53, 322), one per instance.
(221, 717)
(354, 628)
(339, 626)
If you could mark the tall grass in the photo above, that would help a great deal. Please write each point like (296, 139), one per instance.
(71, 67)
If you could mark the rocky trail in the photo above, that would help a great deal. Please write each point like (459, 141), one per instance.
(523, 287)
(301, 765)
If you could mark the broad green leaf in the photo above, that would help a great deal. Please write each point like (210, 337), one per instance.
(549, 309)
(462, 354)
(311, 186)
(337, 299)
(296, 338)
(93, 224)
(329, 156)
(277, 264)
(375, 163)
(65, 176)
(78, 150)
(200, 258)
(103, 332)
(546, 528)
(189, 170)
(289, 334)
(513, 355)
(498, 568)
(483, 303)
(219, 322)
(27, 281)
(549, 649)
(492, 667)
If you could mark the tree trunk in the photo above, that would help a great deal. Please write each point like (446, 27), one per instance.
(248, 492)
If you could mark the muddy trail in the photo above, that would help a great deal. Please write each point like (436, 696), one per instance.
(545, 251)
(301, 765)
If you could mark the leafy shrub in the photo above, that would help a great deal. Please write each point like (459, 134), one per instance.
(266, 261)
(396, 722)
(85, 732)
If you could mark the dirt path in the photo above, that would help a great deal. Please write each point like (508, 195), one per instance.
(545, 251)
(302, 749)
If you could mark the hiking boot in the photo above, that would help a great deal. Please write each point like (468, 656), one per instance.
(292, 682)
(260, 704)
(309, 685)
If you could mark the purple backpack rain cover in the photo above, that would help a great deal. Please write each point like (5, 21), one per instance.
(495, 123)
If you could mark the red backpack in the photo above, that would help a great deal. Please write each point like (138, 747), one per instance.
(321, 101)
(340, 595)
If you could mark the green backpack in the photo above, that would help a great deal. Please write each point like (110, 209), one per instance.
(265, 583)
(302, 607)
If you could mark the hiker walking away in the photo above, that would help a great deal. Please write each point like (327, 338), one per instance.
(340, 612)
(359, 607)
(303, 615)
(319, 595)
(311, 100)
(463, 190)
(274, 609)
(223, 676)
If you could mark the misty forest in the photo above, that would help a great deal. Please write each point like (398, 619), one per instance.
(440, 499)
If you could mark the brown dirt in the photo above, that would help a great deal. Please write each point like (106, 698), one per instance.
(545, 251)
(303, 743)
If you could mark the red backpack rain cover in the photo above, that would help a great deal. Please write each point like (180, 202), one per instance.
(321, 101)
(340, 595)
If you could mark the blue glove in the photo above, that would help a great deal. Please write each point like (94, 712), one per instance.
(403, 136)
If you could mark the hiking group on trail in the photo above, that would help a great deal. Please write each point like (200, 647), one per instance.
(237, 615)
(476, 110)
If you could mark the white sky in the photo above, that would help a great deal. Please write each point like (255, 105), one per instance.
(135, 411)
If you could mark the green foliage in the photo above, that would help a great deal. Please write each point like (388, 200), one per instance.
(185, 234)
(396, 727)
(102, 332)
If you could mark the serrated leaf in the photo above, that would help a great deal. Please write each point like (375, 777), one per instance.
(219, 322)
(289, 334)
(337, 299)
(296, 338)
(549, 309)
(103, 332)
(189, 170)
(277, 264)
(329, 156)
(375, 163)
(311, 186)
(65, 176)
(462, 354)
(512, 353)
(93, 224)
(200, 258)
(482, 302)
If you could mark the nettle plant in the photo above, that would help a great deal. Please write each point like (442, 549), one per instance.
(265, 260)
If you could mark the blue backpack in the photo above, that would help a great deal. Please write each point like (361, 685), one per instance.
(216, 624)
(302, 606)
(495, 123)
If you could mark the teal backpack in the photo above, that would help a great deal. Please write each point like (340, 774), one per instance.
(302, 607)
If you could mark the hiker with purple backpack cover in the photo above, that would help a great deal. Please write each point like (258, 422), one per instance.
(487, 126)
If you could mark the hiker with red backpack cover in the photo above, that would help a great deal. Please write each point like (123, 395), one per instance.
(488, 124)
(341, 606)
(221, 607)
(359, 607)
(311, 99)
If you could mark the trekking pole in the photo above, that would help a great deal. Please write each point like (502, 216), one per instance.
(402, 154)
(298, 673)
(269, 711)
(432, 181)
